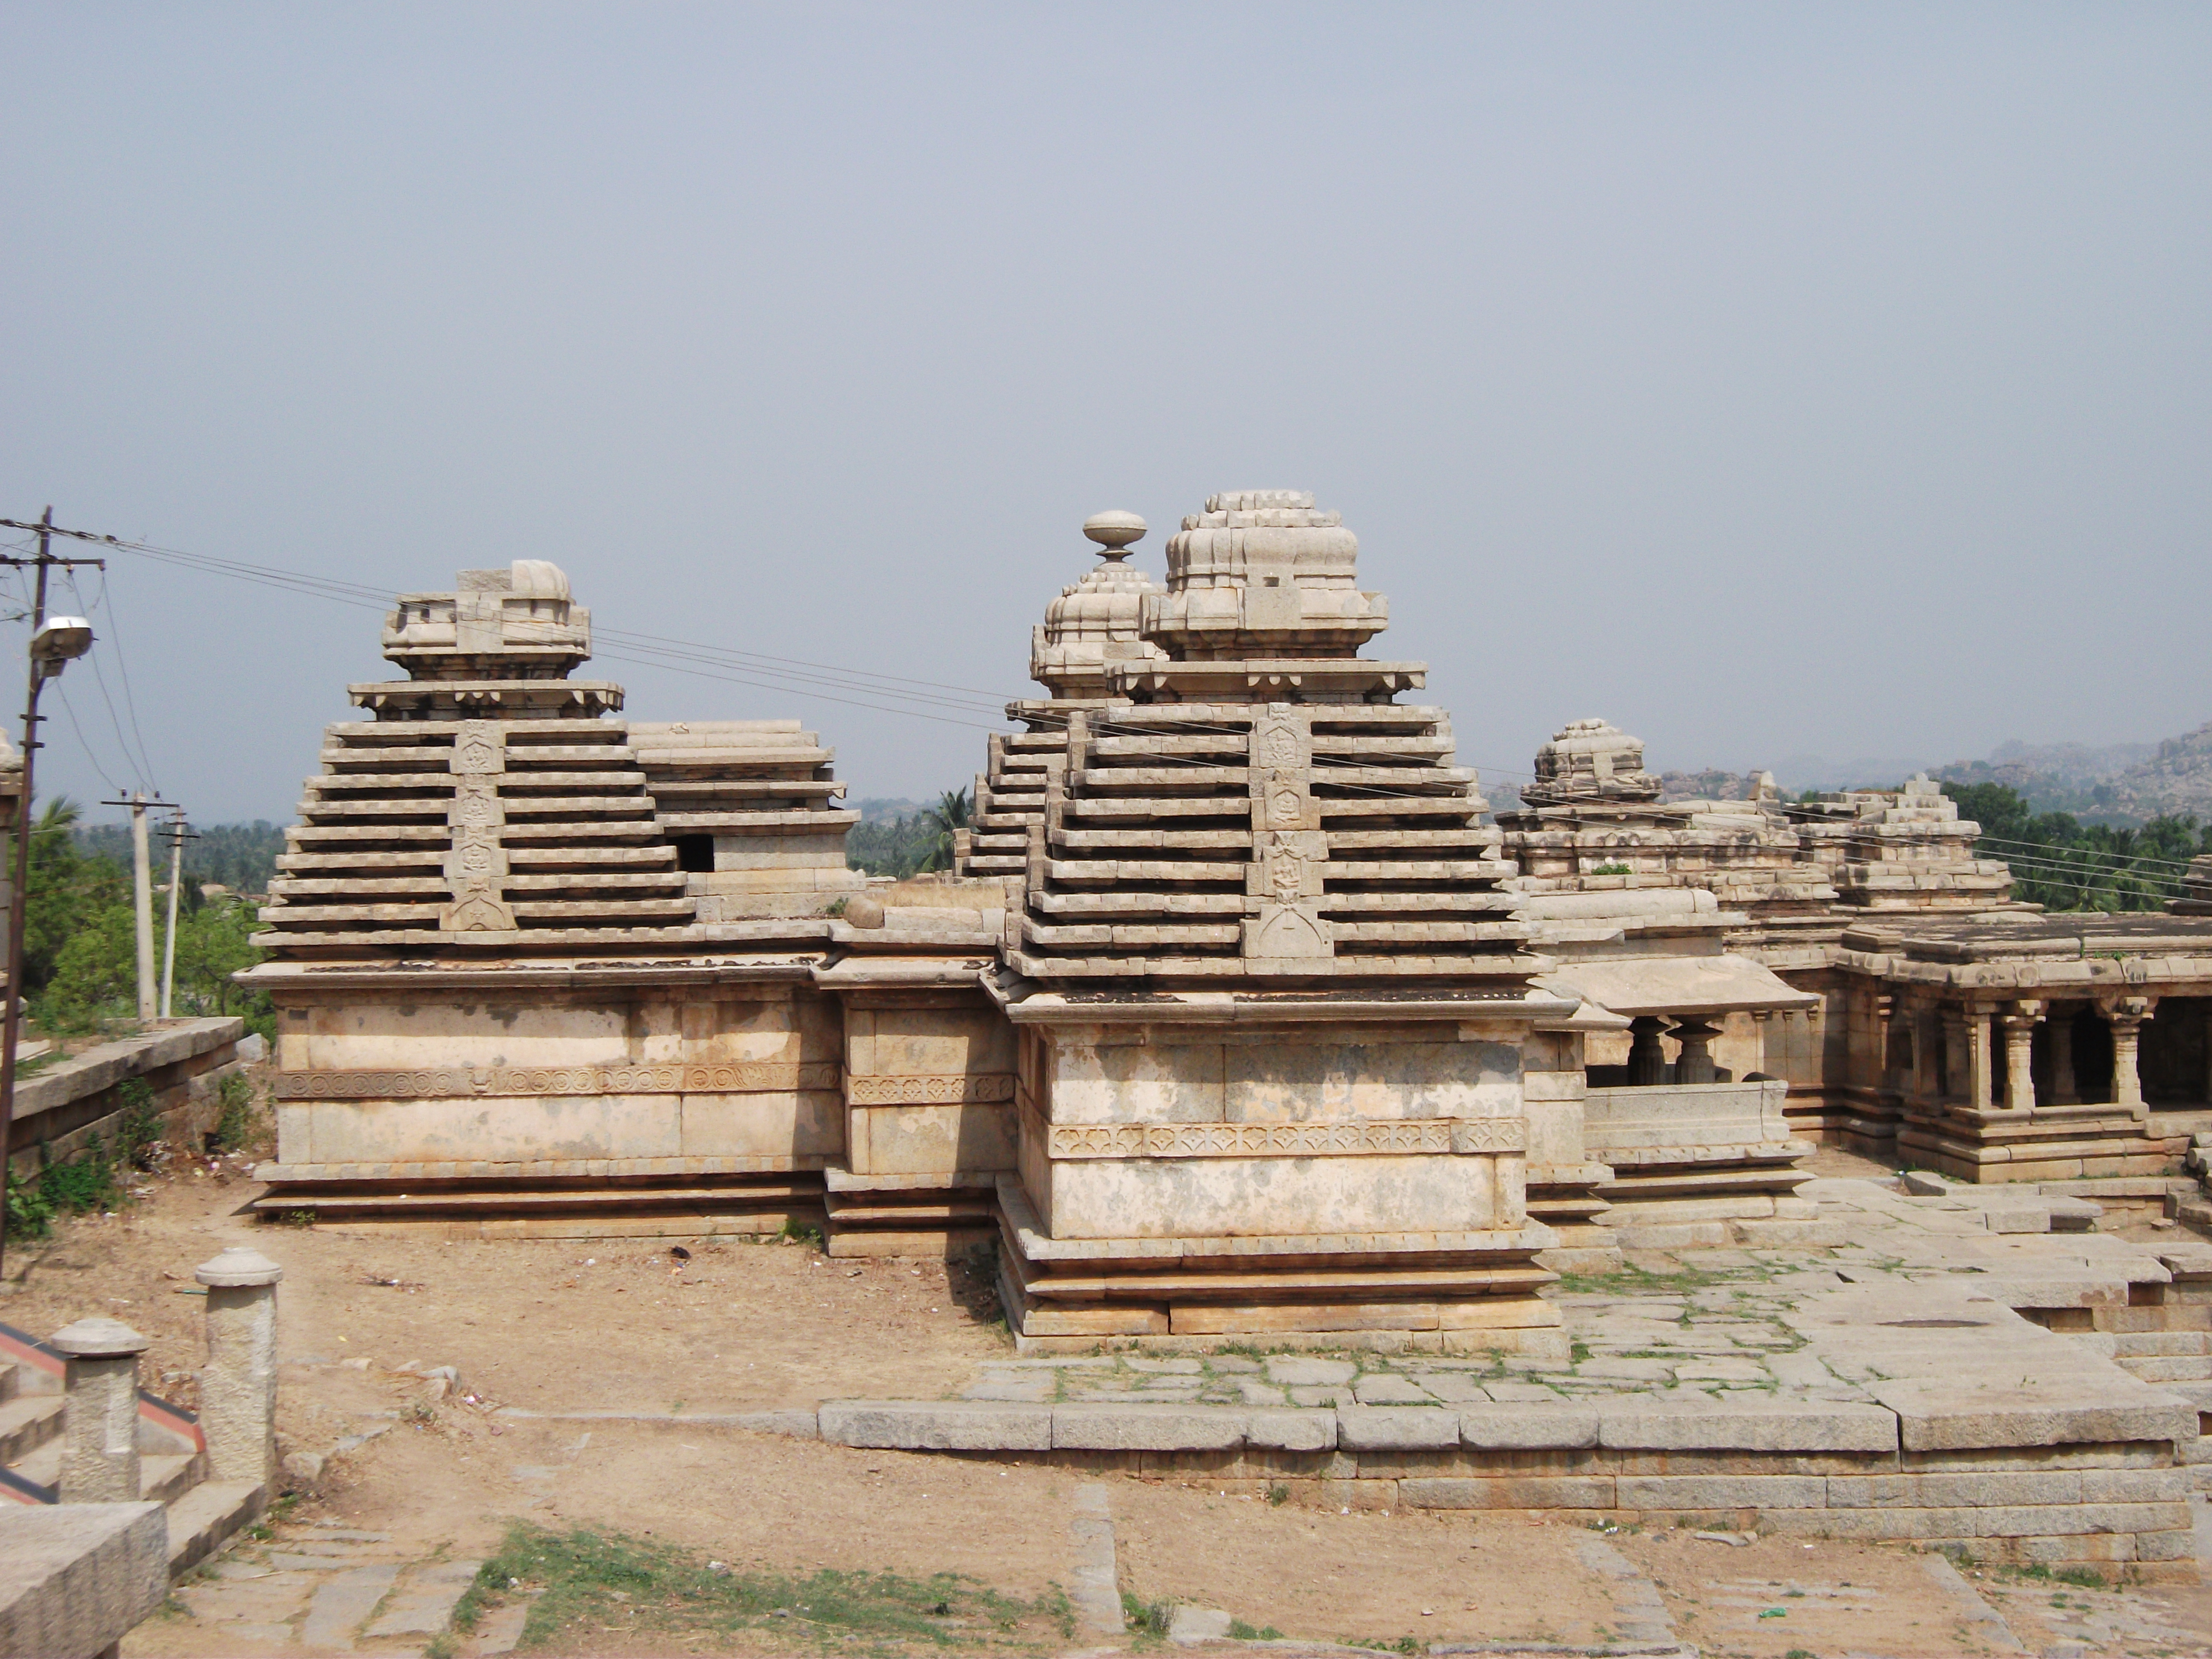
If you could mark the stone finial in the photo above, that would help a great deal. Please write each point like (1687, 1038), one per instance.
(1590, 760)
(98, 1338)
(1095, 622)
(1115, 531)
(239, 1265)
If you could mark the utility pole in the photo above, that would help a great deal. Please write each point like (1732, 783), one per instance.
(53, 645)
(179, 833)
(142, 892)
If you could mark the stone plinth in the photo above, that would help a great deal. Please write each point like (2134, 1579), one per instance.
(238, 1388)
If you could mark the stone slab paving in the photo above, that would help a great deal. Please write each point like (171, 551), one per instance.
(330, 1589)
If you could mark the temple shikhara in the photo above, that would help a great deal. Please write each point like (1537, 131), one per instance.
(1242, 1016)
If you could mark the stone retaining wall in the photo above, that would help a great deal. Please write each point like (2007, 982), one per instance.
(2118, 1493)
(63, 1105)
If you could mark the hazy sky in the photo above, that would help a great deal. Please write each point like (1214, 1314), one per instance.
(1770, 379)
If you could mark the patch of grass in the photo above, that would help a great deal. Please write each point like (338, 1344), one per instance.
(30, 1212)
(1241, 1632)
(440, 1647)
(591, 1581)
(1147, 1618)
(1279, 1494)
(2079, 1577)
(796, 1233)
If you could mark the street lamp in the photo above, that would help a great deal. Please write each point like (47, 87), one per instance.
(59, 642)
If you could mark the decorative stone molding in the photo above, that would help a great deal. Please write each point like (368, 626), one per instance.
(1335, 1139)
(752, 1077)
(965, 1089)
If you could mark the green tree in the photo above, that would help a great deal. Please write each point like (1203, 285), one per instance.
(951, 813)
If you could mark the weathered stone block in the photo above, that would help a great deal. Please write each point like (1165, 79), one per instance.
(1137, 1427)
(940, 1425)
(1394, 1428)
(1516, 1428)
(1721, 1491)
(1765, 1426)
(1290, 1430)
(74, 1577)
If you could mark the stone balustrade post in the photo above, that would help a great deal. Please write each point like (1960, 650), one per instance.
(1647, 1059)
(1695, 1062)
(2019, 1055)
(99, 1417)
(238, 1390)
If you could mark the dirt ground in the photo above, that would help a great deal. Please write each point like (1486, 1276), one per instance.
(559, 1326)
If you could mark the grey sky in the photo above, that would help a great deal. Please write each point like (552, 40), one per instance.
(1769, 379)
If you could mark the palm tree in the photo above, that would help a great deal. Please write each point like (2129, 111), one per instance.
(950, 813)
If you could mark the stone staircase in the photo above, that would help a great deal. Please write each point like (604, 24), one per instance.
(173, 1467)
(2179, 1361)
(2194, 1210)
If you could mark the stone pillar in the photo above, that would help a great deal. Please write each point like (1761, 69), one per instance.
(2126, 1018)
(99, 1451)
(2020, 1051)
(2208, 1047)
(238, 1390)
(1695, 1062)
(1980, 1073)
(1956, 1070)
(1762, 1043)
(1647, 1060)
(2063, 1090)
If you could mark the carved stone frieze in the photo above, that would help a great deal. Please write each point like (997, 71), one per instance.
(975, 1088)
(750, 1076)
(1334, 1139)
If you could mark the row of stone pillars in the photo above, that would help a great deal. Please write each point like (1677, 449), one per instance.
(237, 1388)
(1968, 1034)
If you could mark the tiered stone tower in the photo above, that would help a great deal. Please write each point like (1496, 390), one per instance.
(514, 942)
(488, 807)
(1903, 849)
(1093, 627)
(1272, 1000)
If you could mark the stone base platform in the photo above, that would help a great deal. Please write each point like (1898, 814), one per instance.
(1447, 1292)
(1832, 1394)
(552, 1207)
(2043, 1143)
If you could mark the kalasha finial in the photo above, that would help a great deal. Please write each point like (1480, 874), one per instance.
(1114, 531)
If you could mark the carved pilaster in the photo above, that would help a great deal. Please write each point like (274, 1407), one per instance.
(1289, 848)
(476, 863)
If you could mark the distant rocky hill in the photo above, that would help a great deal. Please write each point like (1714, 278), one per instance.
(2118, 783)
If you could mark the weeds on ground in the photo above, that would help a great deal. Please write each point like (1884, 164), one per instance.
(2079, 1577)
(138, 1134)
(584, 1581)
(1147, 1618)
(1241, 1632)
(235, 1123)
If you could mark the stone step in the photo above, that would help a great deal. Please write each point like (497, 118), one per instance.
(201, 1519)
(2138, 1345)
(42, 1464)
(2163, 1368)
(165, 1479)
(27, 1423)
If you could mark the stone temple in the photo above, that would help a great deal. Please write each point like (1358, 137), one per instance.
(1242, 1018)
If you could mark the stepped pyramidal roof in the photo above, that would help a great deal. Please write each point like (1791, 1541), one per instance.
(489, 805)
(1252, 800)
